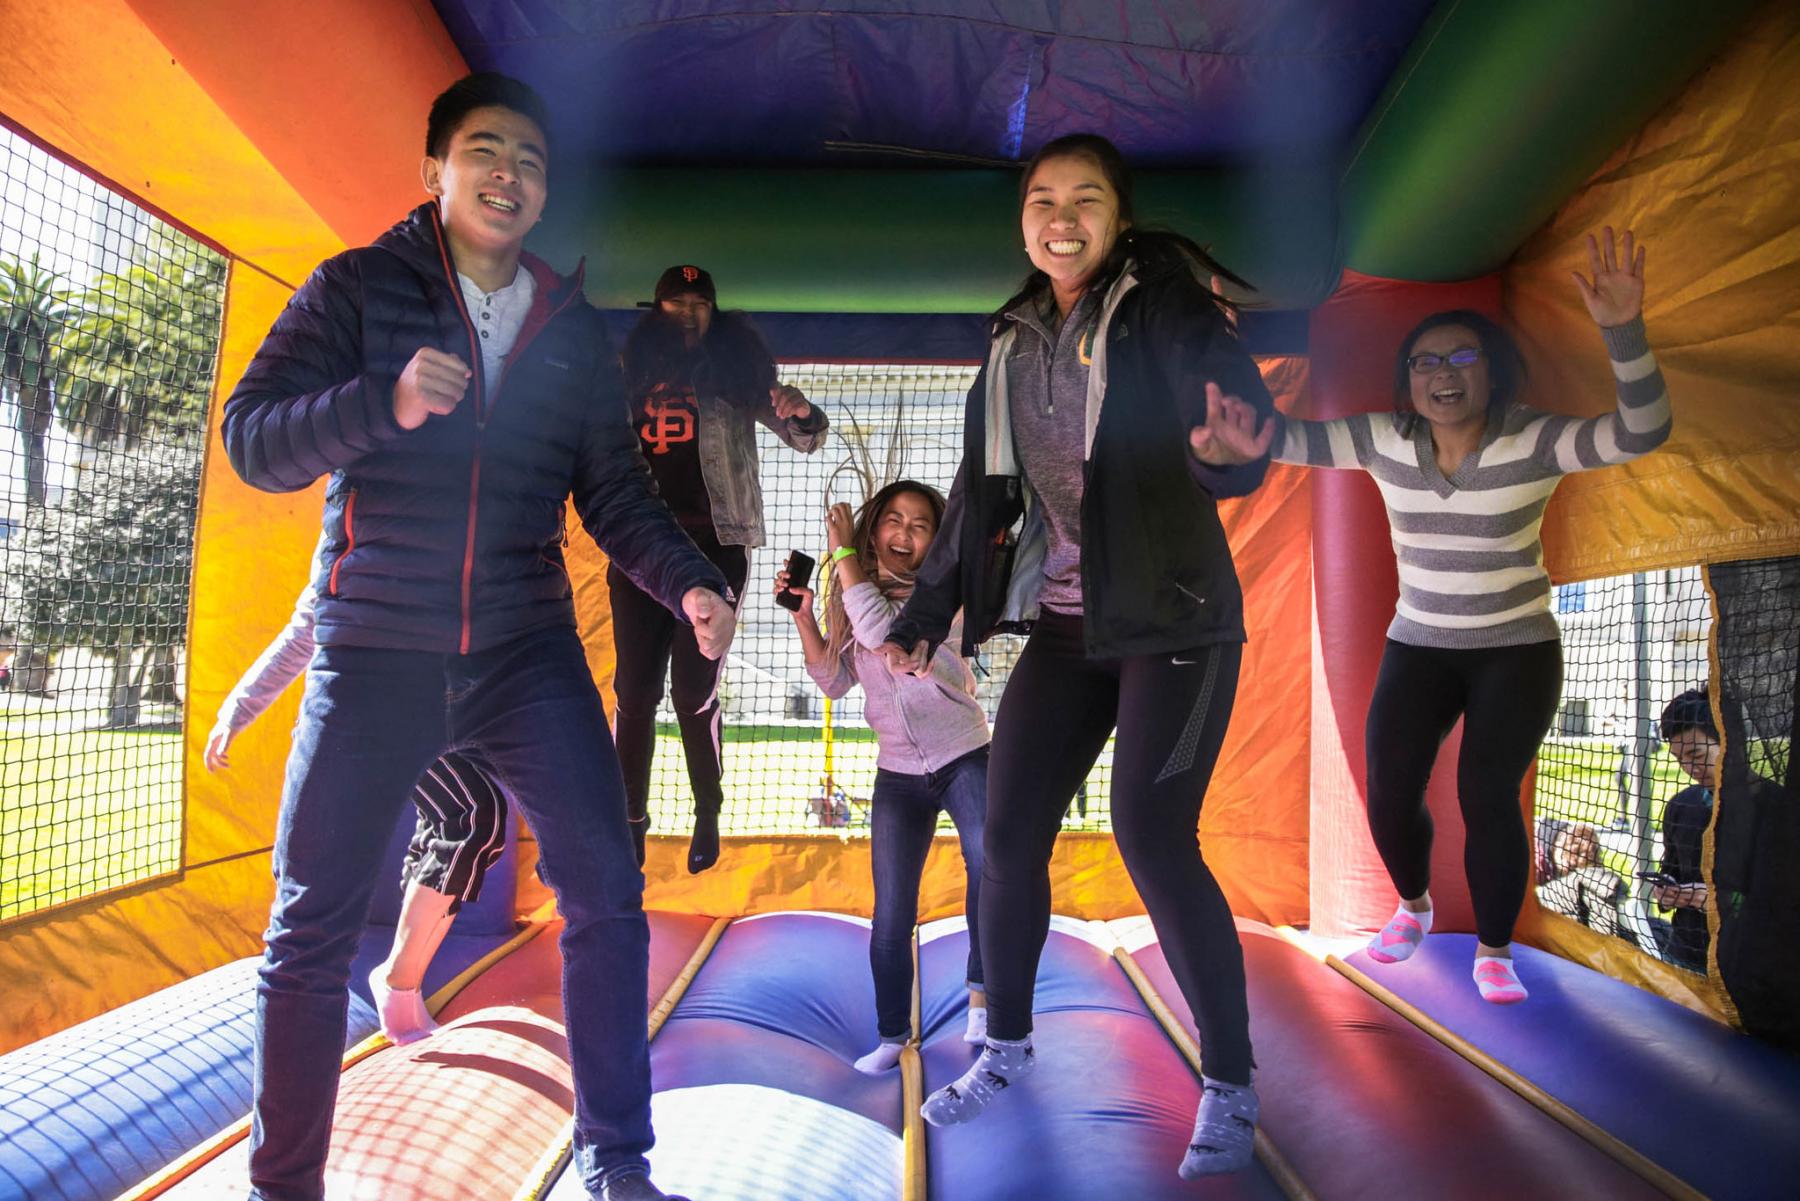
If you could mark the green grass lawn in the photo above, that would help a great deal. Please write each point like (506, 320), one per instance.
(83, 811)
(86, 810)
(773, 772)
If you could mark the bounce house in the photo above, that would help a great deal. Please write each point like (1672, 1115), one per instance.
(848, 174)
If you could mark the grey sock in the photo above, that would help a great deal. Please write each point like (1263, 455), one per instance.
(998, 1067)
(1224, 1130)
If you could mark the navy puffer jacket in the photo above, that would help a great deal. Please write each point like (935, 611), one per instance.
(448, 538)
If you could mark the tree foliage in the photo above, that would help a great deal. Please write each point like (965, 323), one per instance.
(34, 307)
(108, 569)
(139, 354)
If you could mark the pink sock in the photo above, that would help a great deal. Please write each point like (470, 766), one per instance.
(1401, 936)
(1498, 982)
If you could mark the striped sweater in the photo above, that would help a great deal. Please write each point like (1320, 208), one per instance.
(1470, 560)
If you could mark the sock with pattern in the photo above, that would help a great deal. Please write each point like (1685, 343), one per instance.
(998, 1067)
(1498, 982)
(1224, 1130)
(1401, 936)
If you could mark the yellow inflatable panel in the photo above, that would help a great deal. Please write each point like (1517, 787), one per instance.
(1712, 185)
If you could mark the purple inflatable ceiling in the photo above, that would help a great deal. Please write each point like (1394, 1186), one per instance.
(1176, 83)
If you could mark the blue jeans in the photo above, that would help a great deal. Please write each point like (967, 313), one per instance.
(370, 722)
(900, 831)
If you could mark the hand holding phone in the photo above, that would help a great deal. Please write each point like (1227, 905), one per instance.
(799, 570)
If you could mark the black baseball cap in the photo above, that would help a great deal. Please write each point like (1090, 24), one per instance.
(686, 277)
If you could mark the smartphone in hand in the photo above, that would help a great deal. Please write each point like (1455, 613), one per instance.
(799, 569)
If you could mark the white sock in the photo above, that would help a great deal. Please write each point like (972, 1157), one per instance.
(1401, 936)
(1000, 1066)
(976, 1031)
(1224, 1130)
(881, 1059)
(404, 1017)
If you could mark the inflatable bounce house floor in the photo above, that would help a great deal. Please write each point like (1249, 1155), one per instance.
(1386, 1083)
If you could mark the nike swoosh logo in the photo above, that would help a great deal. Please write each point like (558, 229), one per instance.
(1180, 662)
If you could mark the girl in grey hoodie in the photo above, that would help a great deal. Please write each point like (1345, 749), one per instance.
(932, 734)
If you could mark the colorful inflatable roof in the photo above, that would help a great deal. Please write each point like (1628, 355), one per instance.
(666, 83)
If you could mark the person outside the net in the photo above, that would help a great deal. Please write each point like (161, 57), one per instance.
(1116, 407)
(931, 731)
(698, 381)
(1465, 470)
(460, 833)
(456, 392)
(1571, 879)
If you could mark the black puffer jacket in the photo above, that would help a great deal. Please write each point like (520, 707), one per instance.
(448, 538)
(1156, 571)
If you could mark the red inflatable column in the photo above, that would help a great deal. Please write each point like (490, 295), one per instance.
(1354, 339)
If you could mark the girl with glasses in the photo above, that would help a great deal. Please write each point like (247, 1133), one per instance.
(1465, 470)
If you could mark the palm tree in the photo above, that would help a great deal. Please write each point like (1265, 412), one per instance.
(34, 304)
(140, 351)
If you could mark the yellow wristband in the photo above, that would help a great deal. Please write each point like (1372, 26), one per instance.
(842, 552)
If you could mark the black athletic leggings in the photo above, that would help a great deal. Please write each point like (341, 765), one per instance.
(1171, 711)
(649, 641)
(1507, 697)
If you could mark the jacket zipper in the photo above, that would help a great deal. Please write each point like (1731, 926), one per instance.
(468, 565)
(524, 339)
(349, 543)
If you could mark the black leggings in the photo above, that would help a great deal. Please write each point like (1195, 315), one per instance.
(1507, 697)
(648, 641)
(1171, 711)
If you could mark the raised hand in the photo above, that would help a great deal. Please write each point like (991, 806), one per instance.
(1615, 294)
(782, 582)
(840, 526)
(790, 401)
(714, 621)
(1229, 436)
(433, 384)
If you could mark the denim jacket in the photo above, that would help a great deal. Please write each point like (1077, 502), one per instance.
(728, 460)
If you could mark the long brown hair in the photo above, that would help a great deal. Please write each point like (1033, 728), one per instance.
(862, 540)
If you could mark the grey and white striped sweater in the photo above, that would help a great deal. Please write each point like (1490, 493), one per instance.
(1470, 559)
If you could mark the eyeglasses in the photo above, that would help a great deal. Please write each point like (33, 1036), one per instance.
(1425, 364)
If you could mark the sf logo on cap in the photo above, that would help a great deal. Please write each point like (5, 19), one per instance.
(690, 274)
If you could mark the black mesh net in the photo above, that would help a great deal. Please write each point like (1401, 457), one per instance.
(796, 763)
(1756, 838)
(1617, 816)
(111, 322)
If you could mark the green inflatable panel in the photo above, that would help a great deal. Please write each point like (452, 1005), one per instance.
(1500, 111)
(925, 241)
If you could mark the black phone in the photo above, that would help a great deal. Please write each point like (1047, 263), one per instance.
(799, 567)
(1656, 878)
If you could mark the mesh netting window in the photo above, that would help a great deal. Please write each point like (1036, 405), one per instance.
(794, 762)
(1612, 802)
(111, 321)
(1755, 883)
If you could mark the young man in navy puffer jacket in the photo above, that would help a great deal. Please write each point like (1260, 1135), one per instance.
(456, 391)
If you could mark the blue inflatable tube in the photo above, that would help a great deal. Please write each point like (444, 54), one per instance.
(1673, 1085)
